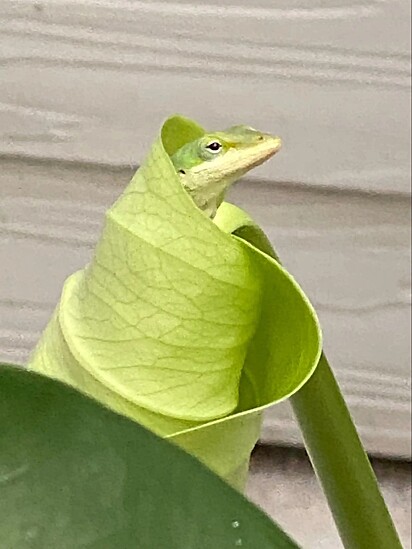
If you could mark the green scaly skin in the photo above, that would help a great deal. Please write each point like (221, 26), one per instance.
(209, 165)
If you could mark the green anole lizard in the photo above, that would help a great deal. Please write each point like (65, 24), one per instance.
(209, 165)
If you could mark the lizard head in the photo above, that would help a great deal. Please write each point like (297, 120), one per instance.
(208, 165)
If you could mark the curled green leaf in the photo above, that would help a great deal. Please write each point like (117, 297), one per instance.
(180, 324)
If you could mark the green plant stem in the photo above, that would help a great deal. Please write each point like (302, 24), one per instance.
(342, 465)
(336, 452)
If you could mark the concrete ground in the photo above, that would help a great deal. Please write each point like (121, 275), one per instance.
(283, 484)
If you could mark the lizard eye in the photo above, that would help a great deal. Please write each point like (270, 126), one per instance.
(214, 146)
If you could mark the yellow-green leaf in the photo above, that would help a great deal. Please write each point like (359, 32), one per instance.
(180, 324)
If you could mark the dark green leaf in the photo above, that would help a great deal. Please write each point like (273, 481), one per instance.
(74, 475)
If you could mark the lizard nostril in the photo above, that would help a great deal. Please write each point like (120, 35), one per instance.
(182, 171)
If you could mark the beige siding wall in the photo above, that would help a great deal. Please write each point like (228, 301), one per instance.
(85, 85)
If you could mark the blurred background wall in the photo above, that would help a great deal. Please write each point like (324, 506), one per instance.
(84, 88)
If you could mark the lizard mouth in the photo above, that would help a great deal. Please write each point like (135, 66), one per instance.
(264, 149)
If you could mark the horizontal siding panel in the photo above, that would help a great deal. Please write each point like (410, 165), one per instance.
(92, 81)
